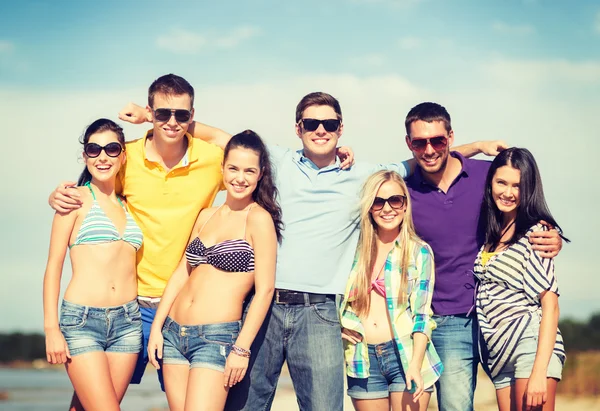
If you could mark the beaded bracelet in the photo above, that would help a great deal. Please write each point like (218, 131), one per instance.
(240, 351)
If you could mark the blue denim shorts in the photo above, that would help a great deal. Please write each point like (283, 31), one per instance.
(199, 346)
(520, 363)
(385, 374)
(110, 329)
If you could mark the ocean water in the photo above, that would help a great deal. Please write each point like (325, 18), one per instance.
(51, 390)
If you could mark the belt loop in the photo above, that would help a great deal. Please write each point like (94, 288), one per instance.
(306, 299)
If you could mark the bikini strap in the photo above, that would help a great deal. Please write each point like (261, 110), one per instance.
(246, 221)
(88, 185)
(208, 219)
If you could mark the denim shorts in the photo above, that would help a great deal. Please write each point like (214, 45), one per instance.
(385, 374)
(110, 329)
(520, 364)
(199, 346)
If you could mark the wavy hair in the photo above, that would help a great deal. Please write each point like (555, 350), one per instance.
(266, 193)
(532, 203)
(99, 126)
(367, 242)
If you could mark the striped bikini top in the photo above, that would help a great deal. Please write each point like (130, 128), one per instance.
(235, 255)
(97, 228)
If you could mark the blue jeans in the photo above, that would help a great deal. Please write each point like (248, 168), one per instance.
(309, 338)
(455, 340)
(147, 318)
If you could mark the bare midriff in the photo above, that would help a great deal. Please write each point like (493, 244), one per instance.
(211, 296)
(104, 275)
(377, 323)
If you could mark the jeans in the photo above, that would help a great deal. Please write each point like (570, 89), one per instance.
(309, 338)
(147, 318)
(455, 340)
(199, 346)
(110, 329)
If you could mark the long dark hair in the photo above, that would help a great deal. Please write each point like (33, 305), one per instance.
(532, 207)
(99, 126)
(265, 194)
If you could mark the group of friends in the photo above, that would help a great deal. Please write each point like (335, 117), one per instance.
(387, 278)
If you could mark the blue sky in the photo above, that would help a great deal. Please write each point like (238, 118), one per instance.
(525, 71)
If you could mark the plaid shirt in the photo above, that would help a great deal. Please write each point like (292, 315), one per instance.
(408, 318)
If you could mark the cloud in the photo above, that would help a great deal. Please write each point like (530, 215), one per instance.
(6, 46)
(409, 43)
(512, 29)
(372, 60)
(180, 41)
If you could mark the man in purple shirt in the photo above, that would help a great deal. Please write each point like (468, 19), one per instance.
(446, 191)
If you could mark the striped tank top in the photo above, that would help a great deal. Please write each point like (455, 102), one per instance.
(235, 255)
(97, 228)
(508, 288)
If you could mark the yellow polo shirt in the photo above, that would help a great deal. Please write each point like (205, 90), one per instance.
(166, 204)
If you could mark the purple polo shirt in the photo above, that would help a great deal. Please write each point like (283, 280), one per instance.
(449, 223)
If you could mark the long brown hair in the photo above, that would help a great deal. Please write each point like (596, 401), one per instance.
(367, 242)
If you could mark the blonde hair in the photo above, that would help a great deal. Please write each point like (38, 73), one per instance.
(367, 242)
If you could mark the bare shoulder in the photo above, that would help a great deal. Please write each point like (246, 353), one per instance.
(85, 195)
(259, 218)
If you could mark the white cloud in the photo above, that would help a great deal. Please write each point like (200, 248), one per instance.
(6, 46)
(180, 41)
(409, 43)
(512, 29)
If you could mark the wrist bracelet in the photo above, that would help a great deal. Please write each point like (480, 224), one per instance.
(240, 351)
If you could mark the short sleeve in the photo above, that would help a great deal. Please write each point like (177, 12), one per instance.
(401, 168)
(277, 153)
(539, 275)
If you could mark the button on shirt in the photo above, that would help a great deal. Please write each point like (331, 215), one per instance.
(321, 220)
(448, 222)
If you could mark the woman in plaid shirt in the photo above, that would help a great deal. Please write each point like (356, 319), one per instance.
(386, 312)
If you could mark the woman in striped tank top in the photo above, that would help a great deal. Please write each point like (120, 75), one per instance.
(99, 333)
(197, 330)
(517, 290)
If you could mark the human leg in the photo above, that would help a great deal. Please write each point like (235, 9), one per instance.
(205, 390)
(315, 356)
(148, 314)
(455, 340)
(90, 375)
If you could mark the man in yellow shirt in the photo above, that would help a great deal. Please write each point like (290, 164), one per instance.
(167, 179)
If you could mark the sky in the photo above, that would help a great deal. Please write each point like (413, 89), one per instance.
(525, 71)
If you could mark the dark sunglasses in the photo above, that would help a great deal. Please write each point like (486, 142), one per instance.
(396, 202)
(93, 150)
(330, 125)
(164, 114)
(437, 143)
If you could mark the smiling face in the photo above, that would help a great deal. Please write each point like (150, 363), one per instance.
(389, 218)
(320, 143)
(171, 132)
(241, 172)
(104, 168)
(431, 160)
(505, 189)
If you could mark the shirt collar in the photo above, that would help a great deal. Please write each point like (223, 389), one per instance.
(299, 157)
(190, 154)
(465, 169)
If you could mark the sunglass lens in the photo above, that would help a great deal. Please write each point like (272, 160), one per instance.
(92, 150)
(331, 125)
(113, 149)
(182, 116)
(162, 114)
(310, 124)
(438, 143)
(419, 144)
(396, 201)
(378, 203)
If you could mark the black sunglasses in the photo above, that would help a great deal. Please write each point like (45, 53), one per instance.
(396, 202)
(164, 114)
(437, 143)
(311, 124)
(93, 150)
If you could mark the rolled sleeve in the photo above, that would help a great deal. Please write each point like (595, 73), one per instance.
(422, 292)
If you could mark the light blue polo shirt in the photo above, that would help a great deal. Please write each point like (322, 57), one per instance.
(321, 216)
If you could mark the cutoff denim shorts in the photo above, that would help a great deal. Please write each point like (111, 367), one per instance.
(385, 374)
(109, 329)
(199, 346)
(521, 362)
